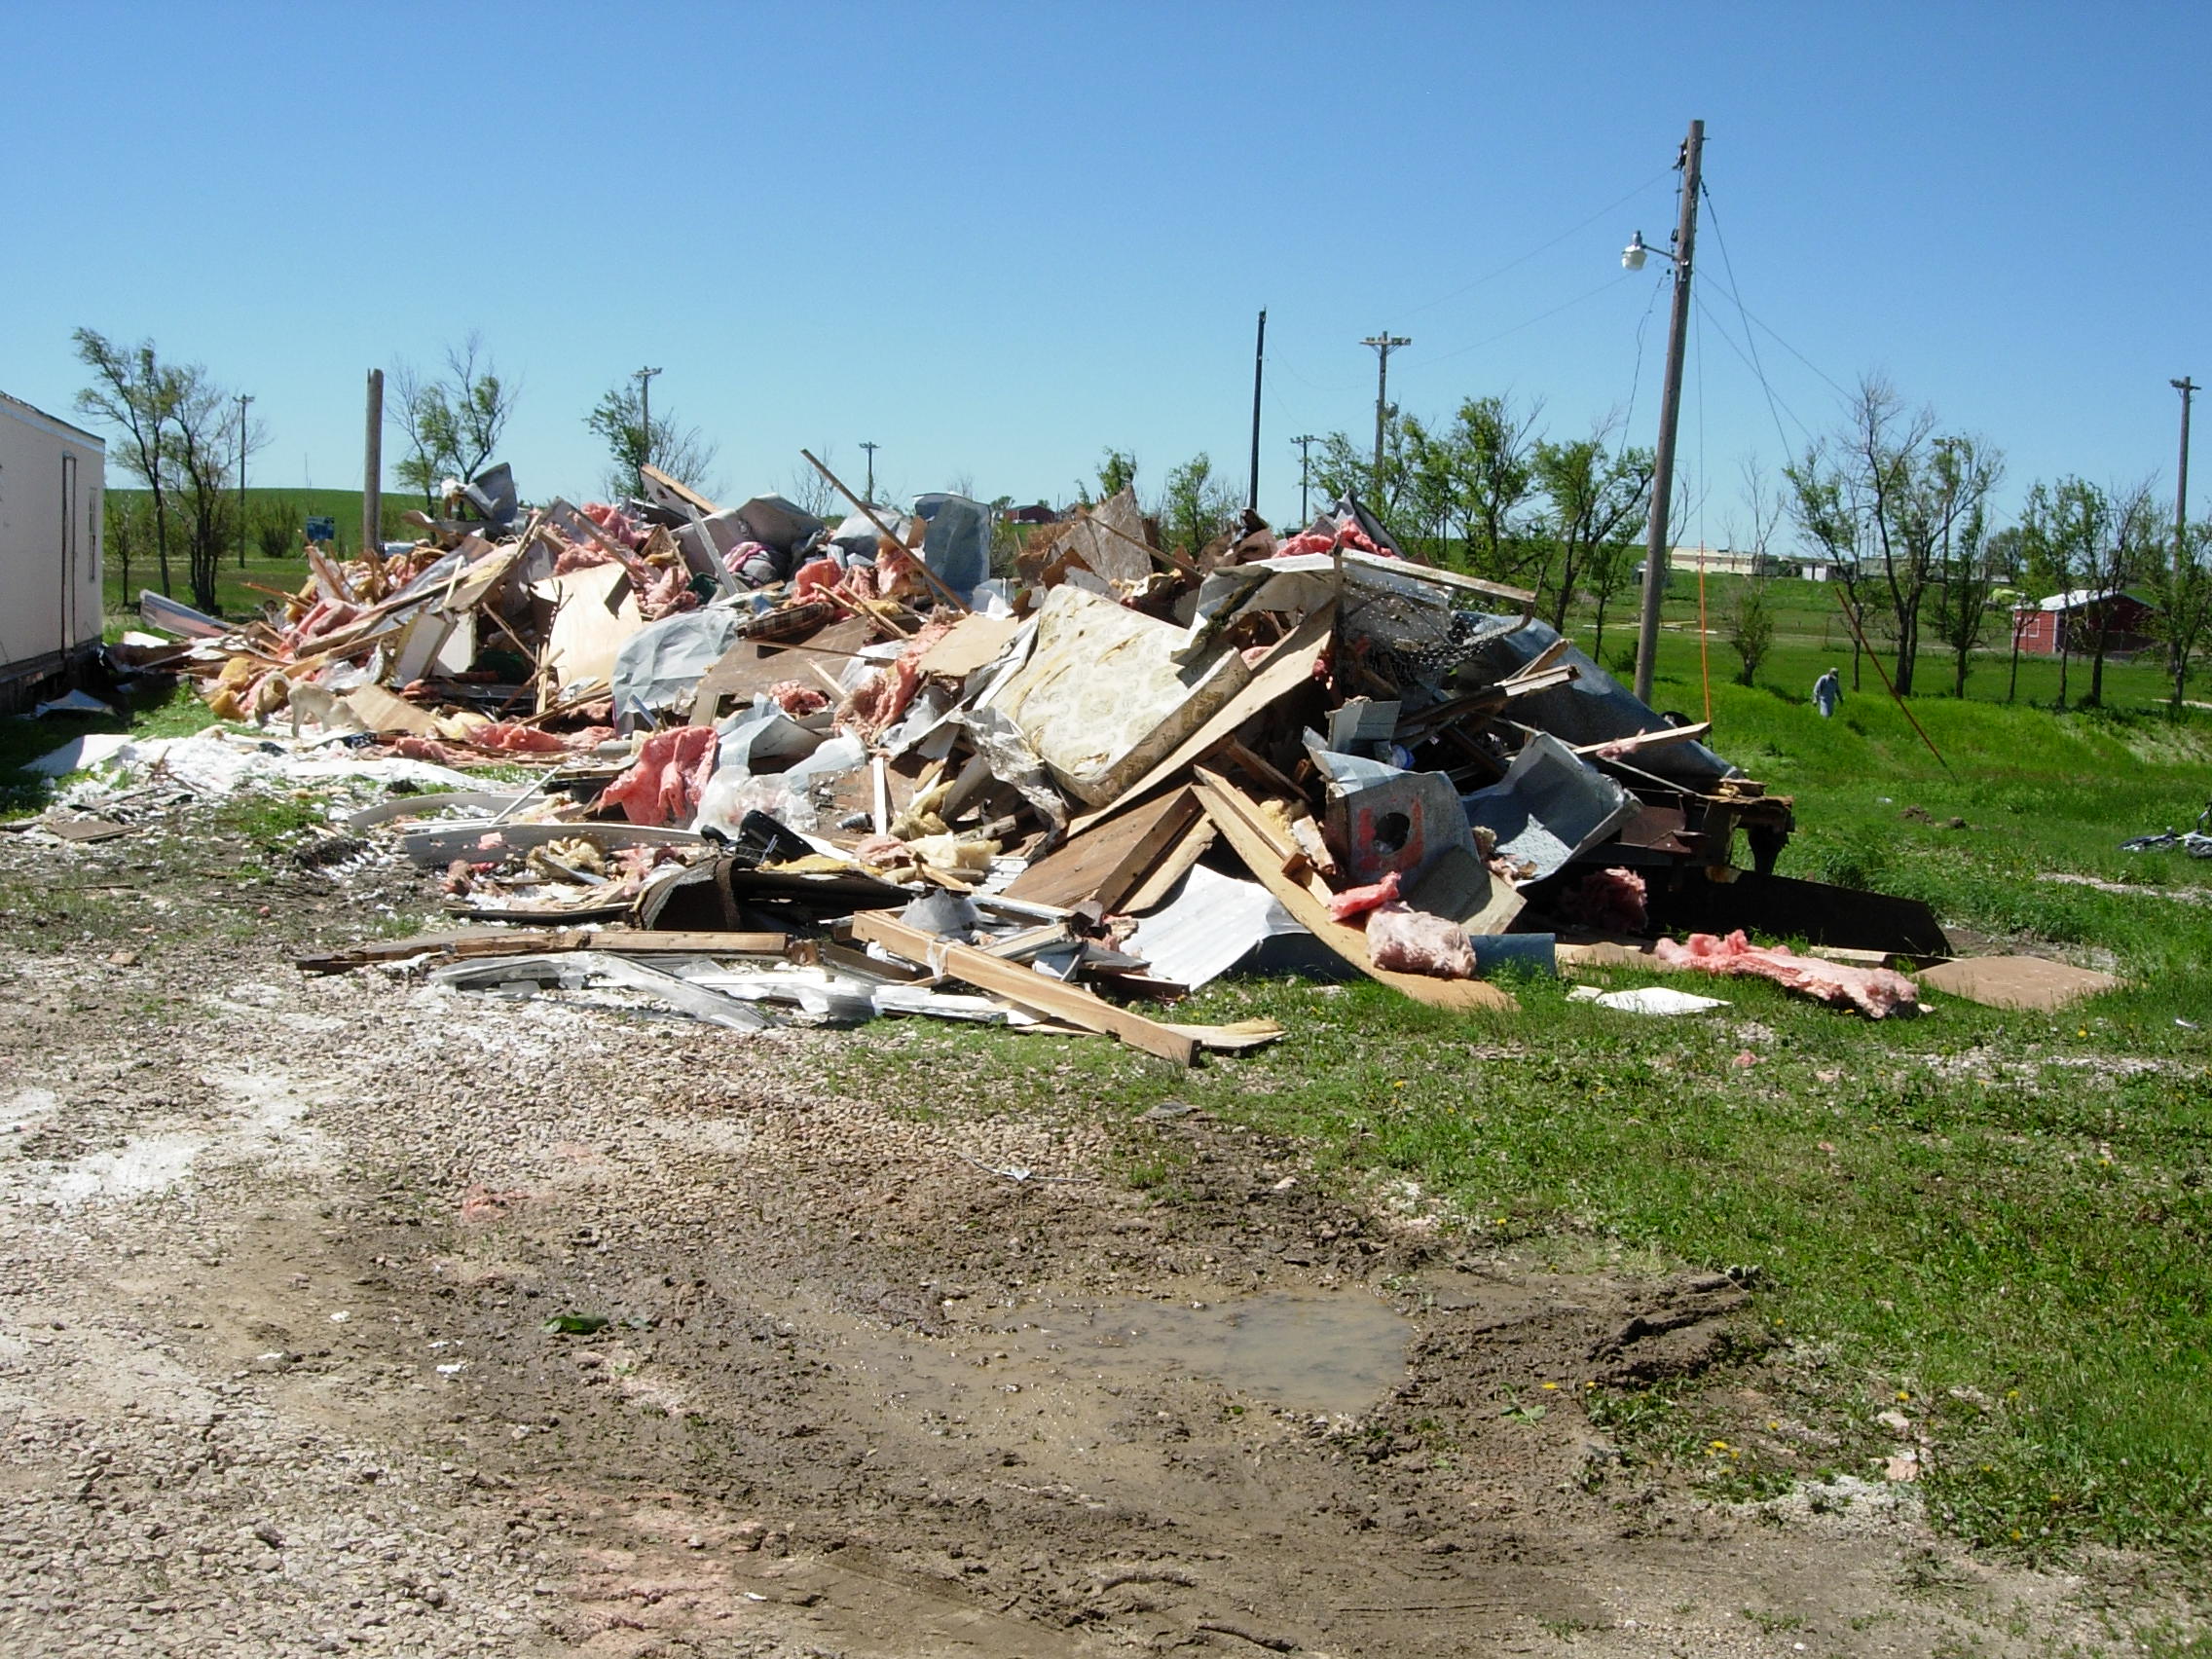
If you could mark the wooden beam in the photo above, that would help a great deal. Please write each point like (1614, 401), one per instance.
(1238, 818)
(1071, 1003)
(684, 493)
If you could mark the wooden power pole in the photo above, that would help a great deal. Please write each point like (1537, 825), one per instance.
(372, 472)
(1655, 546)
(1305, 442)
(1259, 368)
(1385, 344)
(2187, 388)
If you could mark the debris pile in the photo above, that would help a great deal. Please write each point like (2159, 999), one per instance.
(840, 769)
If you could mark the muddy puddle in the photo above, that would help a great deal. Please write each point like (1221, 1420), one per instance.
(1304, 1351)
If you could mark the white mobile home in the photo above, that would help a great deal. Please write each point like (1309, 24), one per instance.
(52, 476)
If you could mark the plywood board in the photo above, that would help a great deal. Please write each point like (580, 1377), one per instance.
(975, 640)
(1102, 698)
(2029, 982)
(381, 710)
(751, 666)
(595, 614)
(1289, 666)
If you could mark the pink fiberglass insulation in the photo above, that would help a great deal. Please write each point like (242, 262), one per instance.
(1406, 940)
(796, 698)
(614, 524)
(671, 771)
(1874, 991)
(1358, 900)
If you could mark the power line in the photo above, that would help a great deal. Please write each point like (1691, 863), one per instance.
(1773, 397)
(1575, 230)
(1736, 293)
(1541, 317)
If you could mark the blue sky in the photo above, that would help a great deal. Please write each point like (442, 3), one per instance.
(997, 239)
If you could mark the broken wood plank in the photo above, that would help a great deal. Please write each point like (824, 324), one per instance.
(1174, 864)
(1106, 863)
(469, 943)
(684, 493)
(1242, 825)
(1644, 740)
(1032, 990)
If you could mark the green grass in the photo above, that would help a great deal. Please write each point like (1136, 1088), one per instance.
(288, 508)
(2002, 1217)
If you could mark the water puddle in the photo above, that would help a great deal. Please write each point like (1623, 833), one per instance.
(1311, 1351)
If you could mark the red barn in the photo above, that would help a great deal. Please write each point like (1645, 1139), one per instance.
(2126, 618)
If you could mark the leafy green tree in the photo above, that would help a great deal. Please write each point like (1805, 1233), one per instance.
(1196, 505)
(680, 451)
(1493, 477)
(1117, 471)
(1595, 499)
(1749, 628)
(453, 425)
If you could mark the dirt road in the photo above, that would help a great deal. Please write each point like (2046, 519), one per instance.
(348, 1316)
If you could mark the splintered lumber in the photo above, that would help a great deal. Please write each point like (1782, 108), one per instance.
(1023, 985)
(1290, 665)
(467, 943)
(1109, 862)
(1242, 825)
(1644, 740)
(683, 492)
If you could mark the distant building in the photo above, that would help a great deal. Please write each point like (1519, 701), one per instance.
(2044, 626)
(1729, 562)
(51, 475)
(1037, 514)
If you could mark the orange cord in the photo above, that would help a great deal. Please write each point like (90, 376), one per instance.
(1703, 658)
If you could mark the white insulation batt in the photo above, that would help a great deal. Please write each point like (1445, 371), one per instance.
(1102, 698)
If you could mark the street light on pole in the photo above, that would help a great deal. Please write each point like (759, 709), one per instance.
(645, 423)
(1656, 545)
(1385, 344)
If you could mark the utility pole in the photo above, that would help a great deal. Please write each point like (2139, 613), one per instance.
(244, 398)
(1670, 412)
(870, 491)
(372, 473)
(1259, 368)
(1305, 442)
(1385, 344)
(2187, 388)
(644, 379)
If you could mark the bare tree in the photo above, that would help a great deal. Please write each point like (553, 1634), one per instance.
(2133, 543)
(135, 392)
(2182, 593)
(1885, 491)
(201, 454)
(453, 425)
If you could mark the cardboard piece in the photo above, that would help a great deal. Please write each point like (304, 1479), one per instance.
(2030, 983)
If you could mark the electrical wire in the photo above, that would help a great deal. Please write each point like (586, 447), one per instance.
(1636, 376)
(1704, 637)
(1515, 264)
(1773, 397)
(1426, 363)
(1736, 293)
